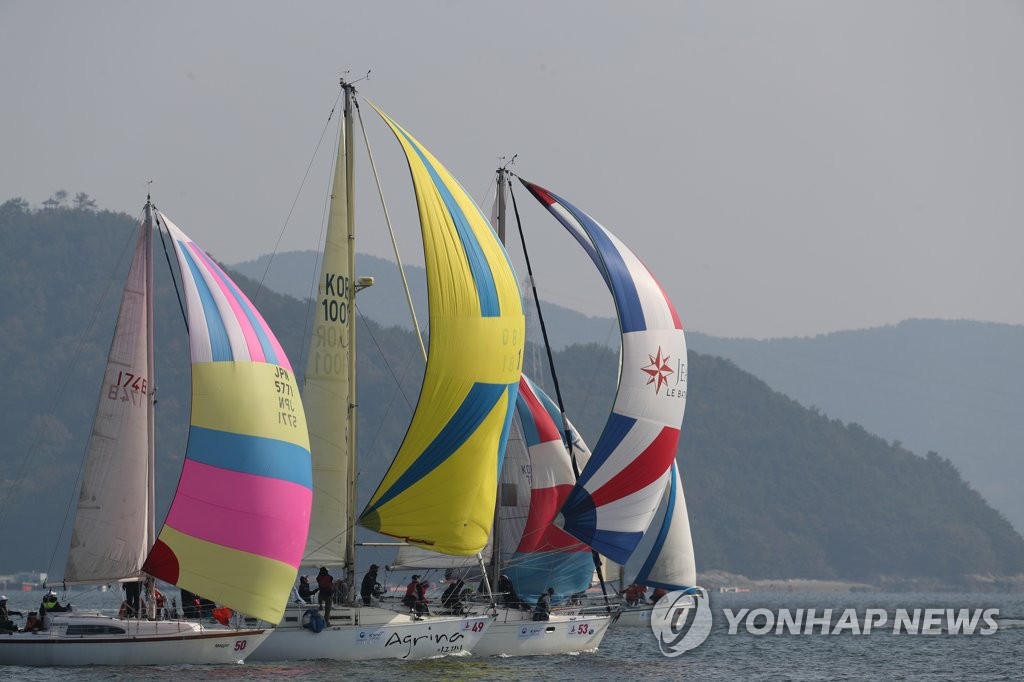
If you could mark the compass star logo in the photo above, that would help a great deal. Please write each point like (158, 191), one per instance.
(658, 371)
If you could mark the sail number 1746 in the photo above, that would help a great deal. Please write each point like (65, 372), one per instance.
(128, 387)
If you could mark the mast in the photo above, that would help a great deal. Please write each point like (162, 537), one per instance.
(150, 363)
(350, 328)
(502, 185)
(150, 405)
(329, 391)
(496, 533)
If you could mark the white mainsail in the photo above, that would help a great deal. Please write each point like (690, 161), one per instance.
(110, 537)
(327, 393)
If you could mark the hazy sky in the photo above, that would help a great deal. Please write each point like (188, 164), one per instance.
(783, 168)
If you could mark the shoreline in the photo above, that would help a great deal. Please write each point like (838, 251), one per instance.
(725, 582)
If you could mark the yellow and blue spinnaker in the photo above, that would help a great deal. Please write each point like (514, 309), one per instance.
(441, 488)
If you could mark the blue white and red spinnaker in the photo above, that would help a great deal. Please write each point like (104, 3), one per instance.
(619, 491)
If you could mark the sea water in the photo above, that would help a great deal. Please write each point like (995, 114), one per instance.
(633, 653)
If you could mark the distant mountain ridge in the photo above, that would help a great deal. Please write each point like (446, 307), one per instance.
(948, 386)
(292, 273)
(774, 489)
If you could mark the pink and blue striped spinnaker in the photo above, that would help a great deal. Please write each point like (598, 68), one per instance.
(236, 529)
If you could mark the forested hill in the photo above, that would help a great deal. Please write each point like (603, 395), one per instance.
(948, 386)
(774, 489)
(952, 386)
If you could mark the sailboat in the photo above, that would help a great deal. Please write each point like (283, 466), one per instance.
(528, 552)
(533, 553)
(237, 523)
(439, 492)
(628, 502)
(526, 548)
(535, 481)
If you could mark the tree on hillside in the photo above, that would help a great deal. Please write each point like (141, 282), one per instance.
(84, 202)
(14, 206)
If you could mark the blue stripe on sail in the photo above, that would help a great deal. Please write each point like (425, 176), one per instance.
(579, 514)
(575, 229)
(526, 421)
(258, 326)
(483, 278)
(513, 395)
(613, 267)
(250, 455)
(534, 572)
(615, 429)
(659, 542)
(616, 545)
(467, 419)
(220, 345)
(668, 586)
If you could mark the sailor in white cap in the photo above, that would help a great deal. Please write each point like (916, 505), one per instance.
(5, 615)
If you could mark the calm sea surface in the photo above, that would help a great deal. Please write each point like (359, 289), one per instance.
(633, 654)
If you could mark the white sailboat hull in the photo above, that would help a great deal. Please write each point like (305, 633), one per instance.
(368, 633)
(81, 639)
(635, 616)
(515, 633)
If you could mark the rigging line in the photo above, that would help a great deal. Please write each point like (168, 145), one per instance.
(320, 547)
(4, 506)
(391, 231)
(543, 327)
(298, 193)
(314, 282)
(606, 354)
(367, 330)
(170, 268)
(492, 186)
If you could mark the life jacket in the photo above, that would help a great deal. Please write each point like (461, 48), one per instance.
(326, 584)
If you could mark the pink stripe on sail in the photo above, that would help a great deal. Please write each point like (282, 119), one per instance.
(282, 359)
(218, 506)
(252, 340)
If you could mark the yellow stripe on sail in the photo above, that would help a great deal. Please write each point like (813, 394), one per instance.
(248, 588)
(441, 488)
(441, 511)
(450, 281)
(251, 398)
